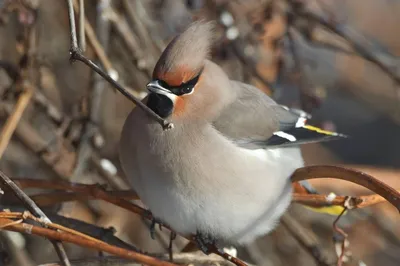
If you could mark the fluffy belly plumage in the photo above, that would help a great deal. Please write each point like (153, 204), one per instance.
(234, 210)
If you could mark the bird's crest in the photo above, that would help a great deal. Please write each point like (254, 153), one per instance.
(185, 55)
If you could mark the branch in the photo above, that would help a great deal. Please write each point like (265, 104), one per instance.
(103, 234)
(50, 199)
(354, 45)
(69, 186)
(316, 200)
(71, 16)
(251, 67)
(28, 216)
(123, 29)
(97, 192)
(75, 226)
(78, 240)
(360, 178)
(82, 38)
(14, 118)
(196, 259)
(77, 55)
(32, 207)
(306, 239)
(93, 41)
(340, 231)
(85, 192)
(119, 198)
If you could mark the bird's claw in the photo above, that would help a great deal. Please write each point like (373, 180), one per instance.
(206, 243)
(152, 228)
(172, 237)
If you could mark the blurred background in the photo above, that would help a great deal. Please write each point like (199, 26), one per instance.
(336, 59)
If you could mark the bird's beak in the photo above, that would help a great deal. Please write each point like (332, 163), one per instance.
(154, 86)
(161, 100)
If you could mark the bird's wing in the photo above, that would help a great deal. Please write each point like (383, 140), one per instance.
(253, 120)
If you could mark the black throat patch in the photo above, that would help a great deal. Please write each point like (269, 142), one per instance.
(160, 104)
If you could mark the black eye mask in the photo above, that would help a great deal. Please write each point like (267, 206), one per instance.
(160, 103)
(185, 88)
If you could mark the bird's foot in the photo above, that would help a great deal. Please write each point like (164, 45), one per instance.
(154, 222)
(172, 237)
(206, 243)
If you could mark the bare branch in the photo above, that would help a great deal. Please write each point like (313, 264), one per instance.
(306, 238)
(71, 16)
(196, 259)
(67, 237)
(12, 121)
(360, 178)
(77, 55)
(32, 207)
(94, 42)
(84, 192)
(317, 200)
(355, 46)
(82, 39)
(143, 61)
(97, 192)
(342, 233)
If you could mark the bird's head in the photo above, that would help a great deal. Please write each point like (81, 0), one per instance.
(178, 79)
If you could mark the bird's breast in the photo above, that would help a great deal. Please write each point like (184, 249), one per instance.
(191, 174)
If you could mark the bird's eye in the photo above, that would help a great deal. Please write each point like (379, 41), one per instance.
(187, 90)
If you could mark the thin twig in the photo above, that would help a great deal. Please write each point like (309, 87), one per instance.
(301, 174)
(34, 141)
(33, 208)
(115, 181)
(28, 216)
(14, 118)
(71, 15)
(69, 186)
(195, 259)
(300, 76)
(123, 28)
(94, 42)
(253, 69)
(98, 245)
(355, 46)
(357, 202)
(51, 199)
(134, 15)
(95, 191)
(306, 238)
(77, 55)
(360, 178)
(337, 229)
(103, 33)
(28, 202)
(82, 39)
(83, 192)
(103, 234)
(311, 200)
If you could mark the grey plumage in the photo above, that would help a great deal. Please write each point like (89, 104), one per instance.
(212, 173)
(255, 116)
(196, 41)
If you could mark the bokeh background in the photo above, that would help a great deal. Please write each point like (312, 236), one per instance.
(336, 59)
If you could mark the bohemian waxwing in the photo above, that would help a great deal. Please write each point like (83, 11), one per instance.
(223, 172)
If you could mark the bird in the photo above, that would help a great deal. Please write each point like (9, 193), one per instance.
(223, 172)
